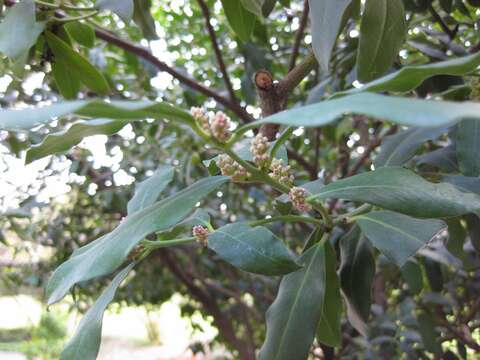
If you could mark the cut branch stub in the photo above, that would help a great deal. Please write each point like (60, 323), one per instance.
(270, 101)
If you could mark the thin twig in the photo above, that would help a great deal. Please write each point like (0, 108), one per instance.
(216, 49)
(299, 36)
(451, 33)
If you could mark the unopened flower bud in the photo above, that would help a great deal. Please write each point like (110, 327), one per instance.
(230, 167)
(297, 196)
(201, 234)
(202, 118)
(220, 126)
(475, 86)
(281, 172)
(259, 150)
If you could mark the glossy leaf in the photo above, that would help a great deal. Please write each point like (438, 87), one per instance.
(123, 8)
(464, 183)
(357, 269)
(63, 141)
(67, 81)
(412, 274)
(121, 110)
(253, 6)
(401, 190)
(326, 18)
(293, 317)
(399, 148)
(329, 329)
(109, 253)
(19, 30)
(241, 20)
(382, 32)
(80, 32)
(148, 191)
(467, 136)
(412, 76)
(404, 111)
(85, 343)
(256, 250)
(398, 236)
(88, 74)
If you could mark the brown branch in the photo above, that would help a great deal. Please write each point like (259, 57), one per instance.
(298, 36)
(216, 49)
(451, 33)
(294, 77)
(160, 65)
(311, 169)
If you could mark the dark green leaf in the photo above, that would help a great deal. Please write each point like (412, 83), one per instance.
(81, 33)
(457, 236)
(253, 6)
(399, 148)
(446, 5)
(412, 76)
(464, 183)
(398, 236)
(293, 317)
(412, 274)
(329, 329)
(467, 137)
(382, 33)
(401, 190)
(433, 270)
(443, 158)
(62, 141)
(241, 20)
(357, 269)
(109, 253)
(256, 250)
(121, 110)
(147, 192)
(67, 81)
(88, 74)
(85, 343)
(19, 30)
(123, 8)
(326, 18)
(143, 18)
(268, 7)
(426, 327)
(405, 111)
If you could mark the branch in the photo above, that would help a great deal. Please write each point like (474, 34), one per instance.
(160, 65)
(299, 36)
(216, 49)
(451, 33)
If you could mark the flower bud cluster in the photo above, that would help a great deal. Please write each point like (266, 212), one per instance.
(297, 196)
(259, 150)
(475, 86)
(201, 234)
(218, 125)
(230, 167)
(281, 172)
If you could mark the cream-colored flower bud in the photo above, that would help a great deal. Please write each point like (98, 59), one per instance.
(201, 234)
(297, 196)
(281, 172)
(220, 126)
(259, 150)
(202, 118)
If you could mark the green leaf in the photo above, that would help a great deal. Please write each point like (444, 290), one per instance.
(123, 8)
(457, 235)
(382, 33)
(148, 191)
(88, 74)
(67, 81)
(444, 158)
(85, 343)
(81, 33)
(412, 76)
(329, 329)
(357, 269)
(241, 20)
(108, 254)
(413, 276)
(253, 6)
(426, 327)
(404, 111)
(63, 141)
(399, 148)
(398, 236)
(293, 317)
(121, 110)
(143, 18)
(401, 190)
(268, 7)
(464, 183)
(446, 5)
(326, 18)
(467, 136)
(256, 250)
(19, 30)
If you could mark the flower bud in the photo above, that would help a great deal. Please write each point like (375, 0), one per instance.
(259, 150)
(201, 234)
(202, 118)
(281, 172)
(220, 126)
(230, 167)
(297, 196)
